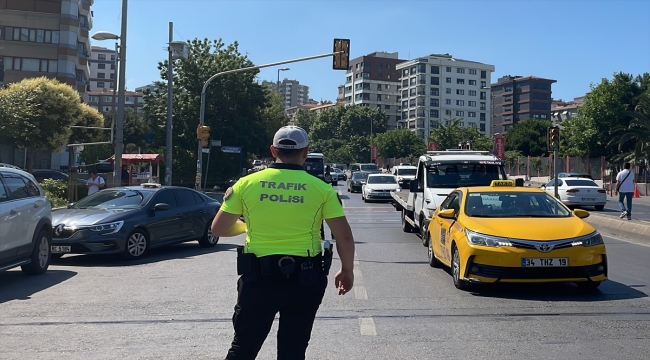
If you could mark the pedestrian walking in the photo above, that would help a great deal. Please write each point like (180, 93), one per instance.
(95, 182)
(625, 189)
(282, 265)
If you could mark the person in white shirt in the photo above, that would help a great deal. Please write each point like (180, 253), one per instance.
(625, 188)
(95, 182)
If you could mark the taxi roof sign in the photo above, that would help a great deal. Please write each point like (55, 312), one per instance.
(502, 183)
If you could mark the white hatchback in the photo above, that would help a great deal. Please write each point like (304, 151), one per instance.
(576, 191)
(25, 223)
(378, 187)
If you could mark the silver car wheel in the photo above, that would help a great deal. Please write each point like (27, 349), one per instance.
(43, 252)
(456, 266)
(211, 238)
(136, 244)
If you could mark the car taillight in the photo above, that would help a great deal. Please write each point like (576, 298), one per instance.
(573, 190)
(602, 191)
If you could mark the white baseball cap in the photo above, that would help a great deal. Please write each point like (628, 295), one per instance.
(290, 137)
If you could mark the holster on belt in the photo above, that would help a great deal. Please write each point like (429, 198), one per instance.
(328, 253)
(247, 265)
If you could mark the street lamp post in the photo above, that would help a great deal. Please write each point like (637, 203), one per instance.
(119, 128)
(283, 69)
(170, 90)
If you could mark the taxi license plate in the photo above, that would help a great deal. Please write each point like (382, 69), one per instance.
(60, 249)
(545, 262)
(588, 199)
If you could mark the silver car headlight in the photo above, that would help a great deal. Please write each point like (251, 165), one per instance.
(110, 228)
(590, 240)
(474, 238)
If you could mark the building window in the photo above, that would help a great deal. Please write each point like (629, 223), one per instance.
(483, 74)
(101, 56)
(483, 97)
(100, 84)
(112, 76)
(412, 103)
(434, 92)
(405, 82)
(472, 71)
(412, 92)
(448, 80)
(378, 97)
(471, 103)
(108, 99)
(435, 69)
(435, 80)
(386, 107)
(448, 69)
(112, 66)
(434, 114)
(460, 70)
(447, 101)
(460, 81)
(101, 75)
(460, 92)
(482, 116)
(101, 66)
(388, 76)
(405, 104)
(472, 93)
(448, 91)
(448, 112)
(482, 106)
(460, 113)
(405, 93)
(460, 102)
(422, 68)
(472, 82)
(471, 114)
(30, 35)
(462, 123)
(434, 102)
(482, 127)
(483, 84)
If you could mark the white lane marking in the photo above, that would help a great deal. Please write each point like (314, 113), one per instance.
(358, 277)
(360, 292)
(367, 326)
(635, 242)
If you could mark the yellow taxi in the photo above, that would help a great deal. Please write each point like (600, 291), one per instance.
(507, 233)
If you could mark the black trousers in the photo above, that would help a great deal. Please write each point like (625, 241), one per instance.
(258, 303)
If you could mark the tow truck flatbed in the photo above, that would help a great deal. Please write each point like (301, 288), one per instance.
(401, 200)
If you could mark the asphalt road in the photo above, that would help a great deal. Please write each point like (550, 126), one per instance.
(177, 304)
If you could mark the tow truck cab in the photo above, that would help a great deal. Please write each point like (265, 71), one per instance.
(438, 173)
(315, 166)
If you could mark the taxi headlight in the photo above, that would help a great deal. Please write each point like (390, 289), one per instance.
(590, 240)
(474, 238)
(109, 228)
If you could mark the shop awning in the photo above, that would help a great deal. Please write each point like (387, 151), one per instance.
(138, 158)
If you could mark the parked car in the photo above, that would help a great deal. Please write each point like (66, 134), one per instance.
(41, 174)
(572, 174)
(357, 180)
(3, 165)
(575, 191)
(25, 223)
(378, 187)
(371, 168)
(131, 220)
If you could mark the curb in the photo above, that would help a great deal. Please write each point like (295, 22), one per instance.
(632, 230)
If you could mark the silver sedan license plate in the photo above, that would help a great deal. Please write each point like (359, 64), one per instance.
(60, 249)
(588, 199)
(544, 262)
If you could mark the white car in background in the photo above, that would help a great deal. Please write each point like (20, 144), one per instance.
(25, 223)
(576, 191)
(379, 187)
(404, 174)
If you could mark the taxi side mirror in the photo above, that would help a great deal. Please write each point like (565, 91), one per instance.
(447, 214)
(581, 213)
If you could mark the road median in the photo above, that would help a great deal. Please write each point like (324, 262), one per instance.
(629, 229)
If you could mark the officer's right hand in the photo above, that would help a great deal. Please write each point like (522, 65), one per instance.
(344, 280)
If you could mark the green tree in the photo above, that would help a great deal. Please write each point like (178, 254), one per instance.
(402, 143)
(234, 108)
(512, 159)
(305, 119)
(529, 137)
(450, 135)
(578, 137)
(92, 118)
(40, 114)
(636, 134)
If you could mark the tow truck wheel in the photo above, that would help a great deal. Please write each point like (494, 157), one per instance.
(406, 227)
(433, 262)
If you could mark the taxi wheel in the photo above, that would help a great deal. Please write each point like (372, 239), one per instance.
(588, 285)
(433, 262)
(455, 269)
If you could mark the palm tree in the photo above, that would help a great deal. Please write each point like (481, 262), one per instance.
(638, 132)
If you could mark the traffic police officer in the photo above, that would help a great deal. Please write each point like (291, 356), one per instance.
(282, 266)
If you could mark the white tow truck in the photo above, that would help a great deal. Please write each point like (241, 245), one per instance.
(438, 173)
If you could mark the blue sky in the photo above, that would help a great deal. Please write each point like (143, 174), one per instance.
(575, 42)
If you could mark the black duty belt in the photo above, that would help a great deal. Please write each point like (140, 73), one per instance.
(305, 270)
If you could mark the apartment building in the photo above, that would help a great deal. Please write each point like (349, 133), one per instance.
(439, 87)
(517, 98)
(152, 88)
(292, 111)
(102, 64)
(46, 38)
(104, 101)
(565, 110)
(293, 94)
(373, 80)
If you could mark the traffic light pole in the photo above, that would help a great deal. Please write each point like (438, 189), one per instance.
(199, 162)
(556, 153)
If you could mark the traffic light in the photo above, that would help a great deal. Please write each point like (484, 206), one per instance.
(554, 138)
(203, 134)
(341, 61)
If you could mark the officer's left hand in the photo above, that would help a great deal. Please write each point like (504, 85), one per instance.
(344, 280)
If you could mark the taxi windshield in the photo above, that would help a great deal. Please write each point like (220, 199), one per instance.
(384, 179)
(513, 204)
(452, 175)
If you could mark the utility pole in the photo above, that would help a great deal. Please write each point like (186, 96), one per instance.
(170, 93)
(119, 133)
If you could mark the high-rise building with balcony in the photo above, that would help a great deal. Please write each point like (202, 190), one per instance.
(46, 38)
(102, 68)
(517, 98)
(439, 87)
(373, 80)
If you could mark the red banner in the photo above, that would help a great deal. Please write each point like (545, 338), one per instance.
(433, 146)
(375, 151)
(500, 147)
